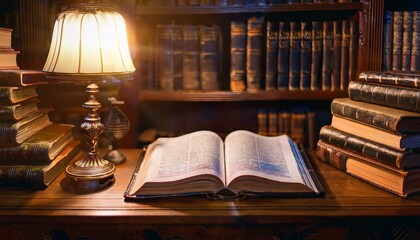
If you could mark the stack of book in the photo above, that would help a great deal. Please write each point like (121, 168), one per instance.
(33, 150)
(375, 133)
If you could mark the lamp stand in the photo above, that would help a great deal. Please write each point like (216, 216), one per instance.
(92, 172)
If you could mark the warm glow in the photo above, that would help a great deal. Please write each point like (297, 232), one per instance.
(89, 43)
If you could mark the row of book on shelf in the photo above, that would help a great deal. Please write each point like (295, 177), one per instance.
(295, 55)
(401, 41)
(231, 2)
(299, 123)
(33, 149)
(374, 134)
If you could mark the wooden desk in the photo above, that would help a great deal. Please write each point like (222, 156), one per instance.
(350, 209)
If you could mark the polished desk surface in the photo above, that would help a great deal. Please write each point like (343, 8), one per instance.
(346, 199)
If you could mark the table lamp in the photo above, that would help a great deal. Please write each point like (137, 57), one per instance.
(89, 46)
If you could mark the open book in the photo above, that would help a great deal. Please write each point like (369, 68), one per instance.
(245, 164)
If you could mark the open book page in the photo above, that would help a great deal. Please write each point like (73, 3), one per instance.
(179, 159)
(269, 158)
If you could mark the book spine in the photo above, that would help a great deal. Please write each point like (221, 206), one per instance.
(295, 51)
(209, 58)
(283, 56)
(353, 50)
(305, 55)
(254, 53)
(7, 135)
(331, 156)
(316, 59)
(391, 96)
(345, 52)
(396, 79)
(21, 177)
(312, 130)
(297, 127)
(27, 154)
(362, 146)
(415, 45)
(165, 57)
(190, 58)
(327, 54)
(237, 56)
(387, 41)
(284, 122)
(272, 43)
(272, 122)
(383, 121)
(406, 40)
(262, 120)
(178, 52)
(336, 70)
(397, 41)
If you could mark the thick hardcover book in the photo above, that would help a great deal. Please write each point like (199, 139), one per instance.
(284, 122)
(283, 56)
(345, 55)
(272, 45)
(38, 176)
(316, 58)
(393, 180)
(178, 56)
(397, 40)
(164, 51)
(6, 38)
(411, 80)
(223, 169)
(295, 51)
(12, 134)
(298, 127)
(237, 56)
(402, 159)
(336, 70)
(209, 57)
(407, 40)
(305, 55)
(16, 112)
(190, 58)
(21, 78)
(415, 45)
(8, 59)
(353, 50)
(273, 122)
(387, 41)
(254, 50)
(386, 95)
(327, 55)
(398, 141)
(386, 118)
(41, 148)
(12, 95)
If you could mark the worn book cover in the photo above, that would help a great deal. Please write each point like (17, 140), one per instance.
(164, 60)
(244, 164)
(403, 79)
(386, 118)
(327, 55)
(209, 56)
(38, 176)
(305, 55)
(387, 41)
(407, 33)
(12, 95)
(402, 159)
(415, 45)
(15, 112)
(254, 53)
(21, 78)
(394, 180)
(345, 55)
(397, 40)
(41, 148)
(386, 95)
(12, 134)
(190, 58)
(272, 45)
(283, 56)
(353, 50)
(338, 38)
(316, 55)
(237, 56)
(295, 55)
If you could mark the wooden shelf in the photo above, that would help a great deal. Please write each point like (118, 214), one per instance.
(194, 10)
(228, 96)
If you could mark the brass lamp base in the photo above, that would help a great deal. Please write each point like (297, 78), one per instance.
(92, 169)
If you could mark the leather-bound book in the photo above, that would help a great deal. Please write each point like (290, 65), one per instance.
(209, 57)
(415, 45)
(407, 32)
(327, 55)
(254, 50)
(305, 55)
(411, 80)
(295, 51)
(345, 55)
(190, 58)
(316, 55)
(237, 56)
(336, 66)
(397, 40)
(164, 51)
(283, 56)
(387, 41)
(353, 50)
(272, 44)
